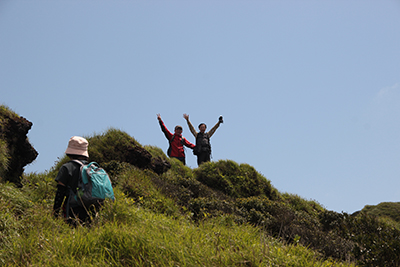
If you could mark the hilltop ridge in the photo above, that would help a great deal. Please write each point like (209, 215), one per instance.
(144, 177)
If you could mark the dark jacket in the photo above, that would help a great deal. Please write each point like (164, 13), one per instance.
(68, 175)
(203, 144)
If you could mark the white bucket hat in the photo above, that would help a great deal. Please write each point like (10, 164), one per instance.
(77, 146)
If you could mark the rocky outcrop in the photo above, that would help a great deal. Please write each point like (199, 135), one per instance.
(13, 132)
(16, 152)
(141, 158)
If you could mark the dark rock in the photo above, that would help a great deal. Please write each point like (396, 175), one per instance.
(13, 131)
(141, 158)
(159, 166)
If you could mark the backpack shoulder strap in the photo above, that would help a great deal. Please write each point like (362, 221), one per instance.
(80, 169)
(78, 161)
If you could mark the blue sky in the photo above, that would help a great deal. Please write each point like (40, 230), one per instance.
(309, 90)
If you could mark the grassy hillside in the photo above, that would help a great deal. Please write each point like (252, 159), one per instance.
(389, 211)
(126, 234)
(4, 153)
(220, 214)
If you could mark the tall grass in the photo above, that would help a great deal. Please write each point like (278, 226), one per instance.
(4, 158)
(5, 112)
(123, 234)
(220, 214)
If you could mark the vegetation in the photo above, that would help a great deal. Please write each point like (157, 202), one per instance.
(220, 214)
(385, 210)
(123, 234)
(15, 150)
(5, 111)
(4, 153)
(4, 158)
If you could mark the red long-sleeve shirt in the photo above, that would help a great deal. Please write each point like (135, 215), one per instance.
(176, 144)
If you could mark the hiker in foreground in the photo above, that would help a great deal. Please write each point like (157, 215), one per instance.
(81, 187)
(203, 146)
(176, 141)
(68, 177)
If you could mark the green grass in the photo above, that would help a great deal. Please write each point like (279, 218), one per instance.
(5, 111)
(110, 145)
(220, 214)
(386, 209)
(4, 156)
(123, 234)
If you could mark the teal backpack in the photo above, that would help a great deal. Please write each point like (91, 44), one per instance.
(94, 187)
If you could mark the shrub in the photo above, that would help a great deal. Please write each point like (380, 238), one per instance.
(156, 152)
(138, 185)
(235, 180)
(376, 243)
(387, 209)
(221, 193)
(300, 204)
(111, 145)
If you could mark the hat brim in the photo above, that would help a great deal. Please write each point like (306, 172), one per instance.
(73, 151)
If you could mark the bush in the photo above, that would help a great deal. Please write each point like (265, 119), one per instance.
(111, 145)
(221, 193)
(300, 204)
(156, 152)
(136, 184)
(235, 180)
(386, 209)
(376, 243)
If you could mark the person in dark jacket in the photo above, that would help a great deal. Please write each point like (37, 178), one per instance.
(67, 179)
(176, 141)
(203, 146)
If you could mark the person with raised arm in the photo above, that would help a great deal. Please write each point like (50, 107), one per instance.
(203, 145)
(176, 141)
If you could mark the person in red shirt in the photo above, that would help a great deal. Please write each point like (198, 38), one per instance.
(176, 141)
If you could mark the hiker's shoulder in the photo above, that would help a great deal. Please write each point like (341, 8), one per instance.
(72, 164)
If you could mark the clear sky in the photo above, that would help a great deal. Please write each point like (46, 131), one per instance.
(309, 90)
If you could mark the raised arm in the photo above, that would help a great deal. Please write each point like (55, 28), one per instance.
(213, 129)
(164, 129)
(192, 130)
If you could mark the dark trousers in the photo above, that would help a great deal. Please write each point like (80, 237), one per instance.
(203, 157)
(79, 214)
(182, 159)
